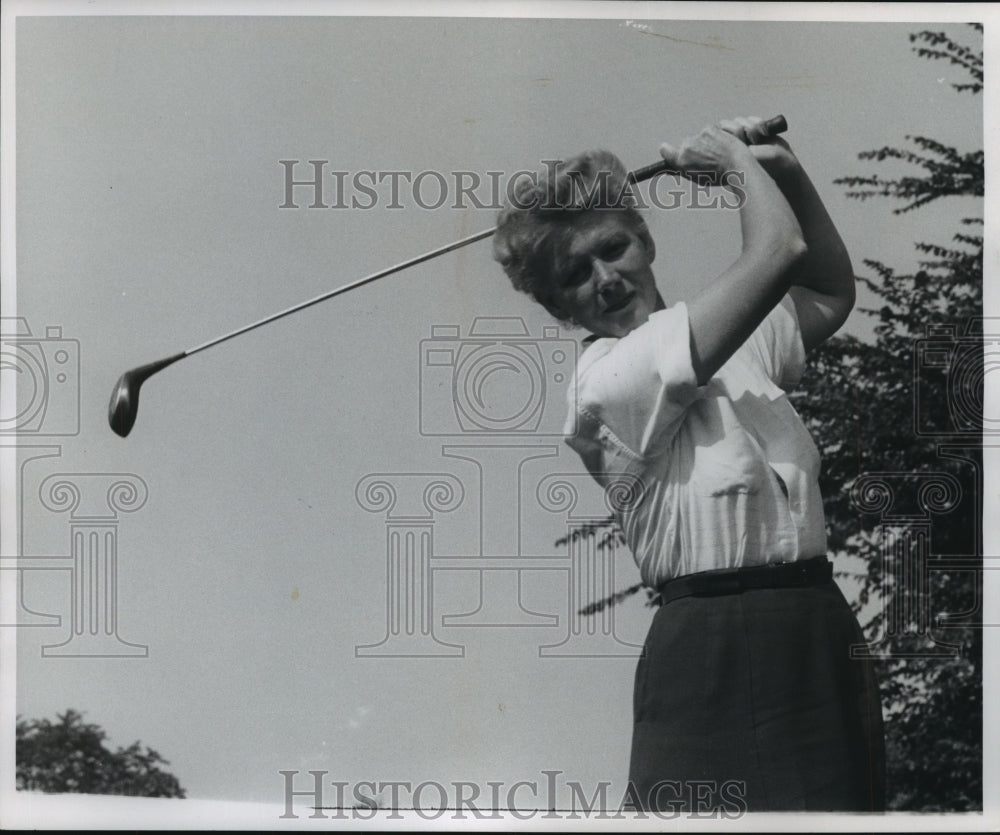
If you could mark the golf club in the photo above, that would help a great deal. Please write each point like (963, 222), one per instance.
(124, 406)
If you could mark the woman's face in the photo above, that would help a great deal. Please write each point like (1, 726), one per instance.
(601, 276)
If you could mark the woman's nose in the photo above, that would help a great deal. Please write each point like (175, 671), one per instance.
(604, 276)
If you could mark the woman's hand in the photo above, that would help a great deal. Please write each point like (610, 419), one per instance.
(772, 152)
(713, 151)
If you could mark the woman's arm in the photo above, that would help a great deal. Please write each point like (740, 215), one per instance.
(823, 281)
(729, 309)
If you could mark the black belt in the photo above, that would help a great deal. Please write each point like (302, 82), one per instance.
(811, 572)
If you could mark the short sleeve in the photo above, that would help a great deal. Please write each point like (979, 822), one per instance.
(636, 388)
(777, 345)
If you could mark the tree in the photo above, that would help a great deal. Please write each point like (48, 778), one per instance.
(69, 755)
(901, 415)
(908, 408)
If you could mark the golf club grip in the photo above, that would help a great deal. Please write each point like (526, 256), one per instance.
(773, 126)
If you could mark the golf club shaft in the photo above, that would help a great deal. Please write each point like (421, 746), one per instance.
(402, 265)
(774, 126)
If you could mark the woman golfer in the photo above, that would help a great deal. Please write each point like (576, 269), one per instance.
(746, 687)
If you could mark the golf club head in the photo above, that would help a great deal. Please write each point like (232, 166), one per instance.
(124, 404)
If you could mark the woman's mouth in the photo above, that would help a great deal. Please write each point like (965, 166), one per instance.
(621, 304)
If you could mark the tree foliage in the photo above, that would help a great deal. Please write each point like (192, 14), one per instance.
(901, 415)
(70, 755)
(904, 412)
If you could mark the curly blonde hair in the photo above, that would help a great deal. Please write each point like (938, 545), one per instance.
(541, 214)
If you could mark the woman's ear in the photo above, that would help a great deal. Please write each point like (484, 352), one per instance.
(647, 240)
(554, 310)
(552, 306)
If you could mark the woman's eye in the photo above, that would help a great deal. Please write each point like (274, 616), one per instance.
(576, 276)
(615, 250)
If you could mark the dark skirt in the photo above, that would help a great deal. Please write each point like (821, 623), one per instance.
(752, 700)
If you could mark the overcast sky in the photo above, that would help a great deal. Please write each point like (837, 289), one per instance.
(148, 221)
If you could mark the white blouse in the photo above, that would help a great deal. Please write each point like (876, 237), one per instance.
(729, 472)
